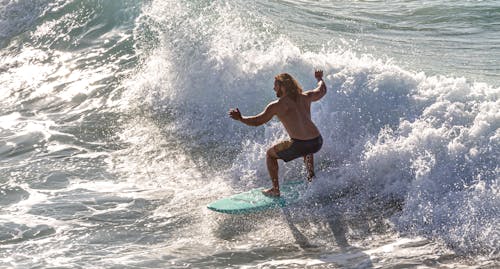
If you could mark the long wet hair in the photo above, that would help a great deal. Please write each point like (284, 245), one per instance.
(291, 85)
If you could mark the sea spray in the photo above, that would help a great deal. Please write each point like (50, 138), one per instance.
(425, 141)
(115, 134)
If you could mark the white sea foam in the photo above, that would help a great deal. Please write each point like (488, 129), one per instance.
(431, 141)
(99, 162)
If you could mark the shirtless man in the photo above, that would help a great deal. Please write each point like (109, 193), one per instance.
(293, 109)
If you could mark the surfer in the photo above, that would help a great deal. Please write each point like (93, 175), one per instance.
(293, 109)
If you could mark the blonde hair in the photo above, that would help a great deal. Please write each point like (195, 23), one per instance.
(291, 85)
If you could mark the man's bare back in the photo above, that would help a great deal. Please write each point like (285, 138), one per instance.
(296, 117)
(293, 109)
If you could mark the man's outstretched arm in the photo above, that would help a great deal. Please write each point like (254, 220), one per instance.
(256, 120)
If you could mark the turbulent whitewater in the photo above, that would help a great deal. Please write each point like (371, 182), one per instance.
(114, 133)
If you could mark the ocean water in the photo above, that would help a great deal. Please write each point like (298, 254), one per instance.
(114, 133)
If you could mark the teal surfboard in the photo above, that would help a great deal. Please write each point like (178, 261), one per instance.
(254, 201)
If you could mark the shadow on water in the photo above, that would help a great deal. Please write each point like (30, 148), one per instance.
(231, 226)
(345, 254)
(321, 235)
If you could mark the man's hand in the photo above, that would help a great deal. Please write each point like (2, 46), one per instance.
(318, 74)
(235, 114)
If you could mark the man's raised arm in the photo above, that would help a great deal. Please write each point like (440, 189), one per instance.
(319, 91)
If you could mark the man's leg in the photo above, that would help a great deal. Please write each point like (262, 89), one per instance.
(272, 168)
(309, 162)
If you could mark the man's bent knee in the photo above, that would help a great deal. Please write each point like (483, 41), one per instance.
(271, 153)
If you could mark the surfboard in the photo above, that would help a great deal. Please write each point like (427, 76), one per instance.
(253, 201)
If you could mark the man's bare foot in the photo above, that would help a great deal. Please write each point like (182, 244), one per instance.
(271, 192)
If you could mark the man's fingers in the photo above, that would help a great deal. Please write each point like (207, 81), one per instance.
(318, 74)
(234, 113)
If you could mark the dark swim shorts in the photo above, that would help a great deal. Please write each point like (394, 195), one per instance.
(295, 148)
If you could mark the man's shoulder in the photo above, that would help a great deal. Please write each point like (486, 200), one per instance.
(307, 93)
(279, 104)
(274, 106)
(284, 102)
(274, 103)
